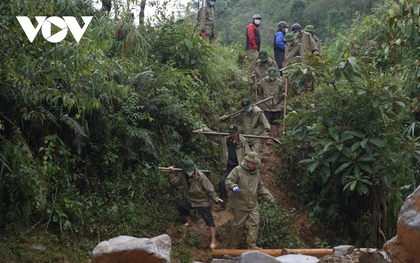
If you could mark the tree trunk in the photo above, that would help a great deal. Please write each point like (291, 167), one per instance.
(141, 14)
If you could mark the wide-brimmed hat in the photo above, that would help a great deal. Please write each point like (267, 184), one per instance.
(272, 72)
(253, 157)
(188, 166)
(310, 28)
(289, 37)
(263, 55)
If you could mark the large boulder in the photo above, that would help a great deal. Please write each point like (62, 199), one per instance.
(297, 258)
(404, 247)
(256, 256)
(133, 250)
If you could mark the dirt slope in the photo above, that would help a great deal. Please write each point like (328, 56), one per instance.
(300, 220)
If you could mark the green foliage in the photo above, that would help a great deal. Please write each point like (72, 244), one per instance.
(275, 219)
(232, 17)
(83, 126)
(350, 147)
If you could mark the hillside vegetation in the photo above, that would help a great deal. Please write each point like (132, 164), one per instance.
(84, 126)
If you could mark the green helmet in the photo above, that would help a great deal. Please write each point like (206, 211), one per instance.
(289, 37)
(253, 157)
(282, 24)
(272, 72)
(310, 28)
(263, 55)
(189, 165)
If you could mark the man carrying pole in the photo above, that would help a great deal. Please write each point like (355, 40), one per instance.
(254, 123)
(234, 149)
(198, 192)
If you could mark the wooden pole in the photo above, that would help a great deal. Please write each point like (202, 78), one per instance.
(285, 105)
(168, 170)
(319, 253)
(239, 111)
(244, 135)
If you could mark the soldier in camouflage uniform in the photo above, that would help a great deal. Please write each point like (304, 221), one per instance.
(245, 183)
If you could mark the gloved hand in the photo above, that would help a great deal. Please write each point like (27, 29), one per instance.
(284, 97)
(218, 200)
(236, 189)
(271, 201)
(203, 33)
(257, 87)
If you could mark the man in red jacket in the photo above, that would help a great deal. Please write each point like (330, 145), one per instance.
(253, 42)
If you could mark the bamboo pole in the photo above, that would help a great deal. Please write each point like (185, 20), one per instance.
(239, 111)
(285, 105)
(244, 135)
(319, 253)
(168, 170)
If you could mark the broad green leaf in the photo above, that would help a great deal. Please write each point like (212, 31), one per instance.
(355, 146)
(363, 143)
(334, 133)
(353, 62)
(362, 189)
(375, 102)
(342, 167)
(365, 167)
(339, 146)
(328, 121)
(355, 133)
(307, 161)
(332, 158)
(416, 9)
(353, 185)
(313, 166)
(366, 158)
(400, 103)
(327, 146)
(346, 152)
(377, 142)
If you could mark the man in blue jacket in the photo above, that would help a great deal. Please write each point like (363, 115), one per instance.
(279, 45)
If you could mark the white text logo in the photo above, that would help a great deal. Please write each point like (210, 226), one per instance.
(65, 23)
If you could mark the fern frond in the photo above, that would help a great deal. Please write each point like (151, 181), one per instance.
(74, 125)
(48, 114)
(19, 140)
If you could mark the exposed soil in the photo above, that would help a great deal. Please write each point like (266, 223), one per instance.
(307, 233)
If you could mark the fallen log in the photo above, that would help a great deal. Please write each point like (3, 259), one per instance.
(315, 252)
